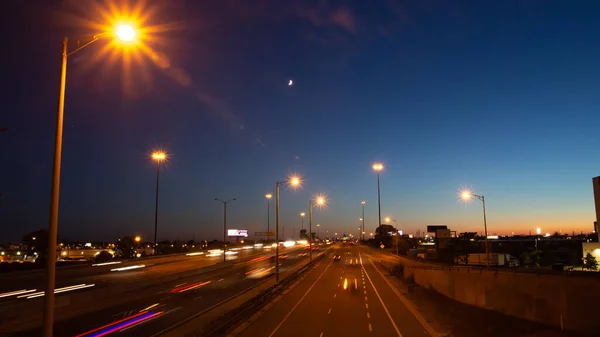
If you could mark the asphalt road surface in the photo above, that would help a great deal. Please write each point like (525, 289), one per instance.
(170, 291)
(345, 297)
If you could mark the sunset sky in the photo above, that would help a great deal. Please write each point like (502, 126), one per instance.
(500, 97)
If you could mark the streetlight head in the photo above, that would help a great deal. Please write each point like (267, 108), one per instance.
(159, 156)
(360, 219)
(295, 181)
(387, 219)
(268, 196)
(466, 194)
(378, 167)
(321, 200)
(302, 214)
(138, 239)
(363, 202)
(125, 32)
(234, 199)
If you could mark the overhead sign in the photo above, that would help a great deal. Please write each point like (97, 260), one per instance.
(264, 234)
(434, 228)
(237, 232)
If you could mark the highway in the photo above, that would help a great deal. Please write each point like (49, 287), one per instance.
(345, 297)
(173, 287)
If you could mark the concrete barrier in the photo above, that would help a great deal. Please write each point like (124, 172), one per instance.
(562, 301)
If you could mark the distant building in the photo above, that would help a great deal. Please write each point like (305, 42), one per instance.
(592, 248)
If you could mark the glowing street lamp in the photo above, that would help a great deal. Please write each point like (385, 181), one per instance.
(293, 181)
(138, 239)
(320, 201)
(123, 33)
(468, 195)
(378, 167)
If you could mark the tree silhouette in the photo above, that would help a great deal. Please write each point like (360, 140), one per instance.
(303, 234)
(590, 262)
(37, 241)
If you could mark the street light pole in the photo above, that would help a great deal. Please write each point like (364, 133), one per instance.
(268, 196)
(54, 198)
(158, 157)
(310, 207)
(378, 167)
(467, 195)
(277, 231)
(225, 226)
(293, 181)
(487, 253)
(363, 219)
(156, 209)
(48, 319)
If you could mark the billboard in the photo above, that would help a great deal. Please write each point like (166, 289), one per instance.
(237, 232)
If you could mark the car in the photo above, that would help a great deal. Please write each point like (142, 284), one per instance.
(351, 284)
(337, 257)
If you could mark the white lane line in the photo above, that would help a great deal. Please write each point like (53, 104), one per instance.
(329, 312)
(370, 327)
(368, 315)
(365, 298)
(383, 304)
(367, 305)
(365, 292)
(300, 301)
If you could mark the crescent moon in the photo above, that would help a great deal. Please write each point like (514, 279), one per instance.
(291, 82)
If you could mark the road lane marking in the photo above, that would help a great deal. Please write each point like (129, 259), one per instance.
(365, 298)
(329, 312)
(365, 292)
(220, 280)
(321, 335)
(370, 327)
(383, 304)
(298, 303)
(367, 305)
(334, 295)
(368, 315)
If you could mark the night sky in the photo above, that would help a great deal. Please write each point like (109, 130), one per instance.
(497, 96)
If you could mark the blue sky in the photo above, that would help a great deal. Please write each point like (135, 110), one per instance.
(497, 96)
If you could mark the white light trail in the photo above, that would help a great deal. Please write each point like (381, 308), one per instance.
(105, 263)
(137, 266)
(58, 290)
(17, 292)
